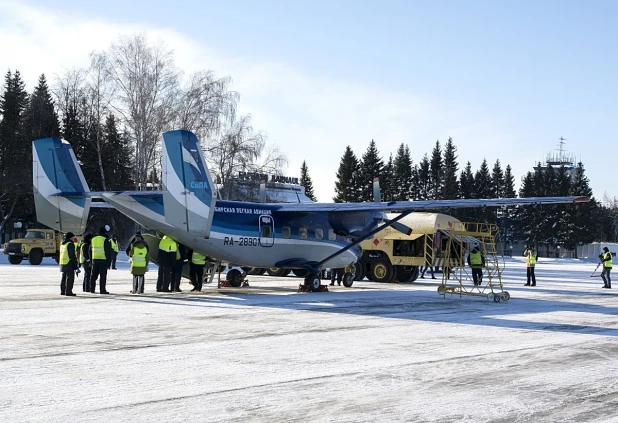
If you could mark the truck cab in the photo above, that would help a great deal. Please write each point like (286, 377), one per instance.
(34, 246)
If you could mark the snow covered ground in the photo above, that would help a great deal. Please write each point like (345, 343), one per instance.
(375, 352)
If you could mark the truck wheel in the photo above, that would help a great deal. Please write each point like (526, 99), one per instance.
(381, 271)
(35, 257)
(57, 258)
(15, 259)
(406, 275)
(361, 270)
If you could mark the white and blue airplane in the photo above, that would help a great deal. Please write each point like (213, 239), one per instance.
(310, 236)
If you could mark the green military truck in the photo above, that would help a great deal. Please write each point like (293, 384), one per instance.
(37, 244)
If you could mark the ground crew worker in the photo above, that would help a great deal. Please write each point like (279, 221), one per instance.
(336, 274)
(166, 258)
(197, 262)
(68, 265)
(181, 259)
(101, 253)
(86, 261)
(476, 261)
(139, 264)
(531, 258)
(606, 259)
(114, 243)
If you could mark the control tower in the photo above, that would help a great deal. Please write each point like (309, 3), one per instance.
(559, 158)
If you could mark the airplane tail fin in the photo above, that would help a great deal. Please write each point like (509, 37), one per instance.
(59, 186)
(189, 194)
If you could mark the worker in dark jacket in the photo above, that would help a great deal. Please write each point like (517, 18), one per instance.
(86, 261)
(68, 265)
(197, 262)
(139, 264)
(476, 261)
(167, 259)
(181, 259)
(606, 259)
(101, 253)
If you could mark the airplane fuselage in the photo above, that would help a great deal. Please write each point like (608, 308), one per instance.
(255, 234)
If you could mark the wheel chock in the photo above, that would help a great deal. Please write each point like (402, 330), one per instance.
(225, 284)
(307, 288)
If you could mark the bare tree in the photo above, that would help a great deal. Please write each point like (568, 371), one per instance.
(69, 90)
(147, 88)
(204, 104)
(239, 149)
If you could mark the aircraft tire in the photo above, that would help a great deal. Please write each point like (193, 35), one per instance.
(348, 279)
(361, 270)
(381, 271)
(235, 278)
(313, 280)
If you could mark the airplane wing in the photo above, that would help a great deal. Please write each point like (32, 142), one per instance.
(402, 206)
(98, 194)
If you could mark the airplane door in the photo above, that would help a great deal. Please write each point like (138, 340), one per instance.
(267, 231)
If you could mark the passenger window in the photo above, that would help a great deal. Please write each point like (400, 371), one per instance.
(302, 232)
(286, 232)
(266, 233)
(319, 234)
(331, 235)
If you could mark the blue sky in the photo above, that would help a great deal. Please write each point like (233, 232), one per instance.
(506, 79)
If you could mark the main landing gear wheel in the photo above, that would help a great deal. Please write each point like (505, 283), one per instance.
(313, 281)
(235, 278)
(360, 271)
(348, 279)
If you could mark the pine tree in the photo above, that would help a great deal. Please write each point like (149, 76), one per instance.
(436, 172)
(117, 157)
(497, 181)
(41, 117)
(415, 190)
(386, 182)
(482, 189)
(305, 180)
(402, 174)
(587, 217)
(371, 167)
(466, 190)
(509, 183)
(15, 178)
(424, 179)
(526, 216)
(450, 185)
(346, 185)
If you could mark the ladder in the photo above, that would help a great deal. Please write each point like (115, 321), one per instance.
(461, 240)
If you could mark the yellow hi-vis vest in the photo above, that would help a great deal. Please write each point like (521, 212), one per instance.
(82, 258)
(198, 259)
(114, 245)
(608, 263)
(475, 259)
(138, 260)
(168, 244)
(64, 253)
(98, 247)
